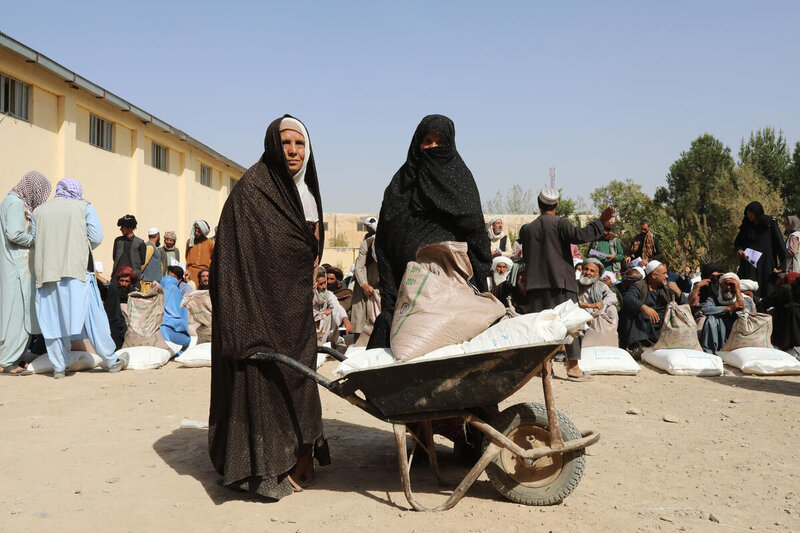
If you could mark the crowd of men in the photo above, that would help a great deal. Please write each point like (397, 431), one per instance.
(53, 290)
(629, 293)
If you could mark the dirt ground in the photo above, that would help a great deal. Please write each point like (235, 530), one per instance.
(100, 452)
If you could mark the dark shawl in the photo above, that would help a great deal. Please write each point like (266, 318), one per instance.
(432, 197)
(263, 416)
(766, 238)
(113, 297)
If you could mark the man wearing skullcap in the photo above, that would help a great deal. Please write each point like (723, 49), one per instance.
(169, 251)
(129, 250)
(17, 312)
(198, 250)
(644, 306)
(551, 278)
(721, 310)
(151, 268)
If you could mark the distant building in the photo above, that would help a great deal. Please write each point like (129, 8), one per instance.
(128, 161)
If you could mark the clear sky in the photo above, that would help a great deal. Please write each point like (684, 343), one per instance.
(600, 91)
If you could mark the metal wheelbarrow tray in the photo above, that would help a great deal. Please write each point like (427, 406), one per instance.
(531, 453)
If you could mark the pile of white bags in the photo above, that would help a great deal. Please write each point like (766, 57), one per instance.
(761, 361)
(607, 360)
(681, 362)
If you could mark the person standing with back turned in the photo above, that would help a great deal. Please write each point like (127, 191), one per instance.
(548, 258)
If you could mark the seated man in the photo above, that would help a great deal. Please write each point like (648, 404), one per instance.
(785, 304)
(720, 310)
(609, 278)
(342, 293)
(329, 315)
(500, 269)
(597, 298)
(115, 301)
(644, 306)
(631, 277)
(175, 322)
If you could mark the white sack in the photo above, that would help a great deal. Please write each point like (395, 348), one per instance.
(76, 362)
(680, 362)
(196, 356)
(762, 361)
(173, 348)
(607, 360)
(365, 359)
(145, 357)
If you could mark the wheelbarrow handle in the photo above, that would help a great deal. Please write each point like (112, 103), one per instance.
(339, 356)
(294, 365)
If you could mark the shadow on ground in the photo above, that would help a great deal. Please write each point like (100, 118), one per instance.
(364, 461)
(773, 384)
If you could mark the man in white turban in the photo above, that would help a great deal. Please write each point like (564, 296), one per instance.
(501, 266)
(721, 311)
(498, 240)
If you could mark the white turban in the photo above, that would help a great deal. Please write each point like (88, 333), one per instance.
(748, 285)
(651, 266)
(640, 270)
(500, 259)
(371, 223)
(609, 275)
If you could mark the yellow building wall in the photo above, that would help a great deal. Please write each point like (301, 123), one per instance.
(56, 142)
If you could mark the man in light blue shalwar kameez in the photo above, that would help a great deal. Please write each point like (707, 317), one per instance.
(17, 311)
(68, 302)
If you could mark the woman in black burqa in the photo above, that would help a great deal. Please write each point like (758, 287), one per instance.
(432, 198)
(760, 232)
(265, 421)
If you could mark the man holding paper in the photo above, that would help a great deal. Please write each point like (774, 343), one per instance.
(608, 250)
(646, 246)
(760, 248)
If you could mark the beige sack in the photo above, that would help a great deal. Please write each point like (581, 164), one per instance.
(198, 303)
(751, 330)
(679, 329)
(145, 313)
(602, 330)
(436, 304)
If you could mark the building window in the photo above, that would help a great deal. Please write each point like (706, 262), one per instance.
(205, 175)
(14, 97)
(159, 157)
(325, 226)
(360, 226)
(101, 133)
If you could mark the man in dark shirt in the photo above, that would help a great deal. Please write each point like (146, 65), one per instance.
(129, 250)
(550, 276)
(645, 246)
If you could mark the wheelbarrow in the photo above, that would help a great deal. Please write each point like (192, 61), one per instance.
(532, 453)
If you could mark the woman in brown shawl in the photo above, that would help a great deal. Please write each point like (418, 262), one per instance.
(265, 421)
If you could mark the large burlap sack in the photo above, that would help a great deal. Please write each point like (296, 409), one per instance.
(602, 331)
(751, 330)
(436, 304)
(199, 305)
(145, 313)
(679, 329)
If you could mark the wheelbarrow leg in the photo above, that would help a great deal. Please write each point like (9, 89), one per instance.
(422, 433)
(552, 418)
(405, 472)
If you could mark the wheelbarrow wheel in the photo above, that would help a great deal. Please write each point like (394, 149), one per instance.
(550, 479)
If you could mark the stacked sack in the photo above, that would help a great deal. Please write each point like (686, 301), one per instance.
(749, 347)
(199, 351)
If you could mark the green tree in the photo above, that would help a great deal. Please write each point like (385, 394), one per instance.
(691, 176)
(768, 155)
(791, 191)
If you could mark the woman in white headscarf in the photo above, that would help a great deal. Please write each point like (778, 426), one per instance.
(17, 312)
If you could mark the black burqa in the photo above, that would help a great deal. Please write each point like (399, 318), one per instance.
(431, 198)
(765, 237)
(263, 417)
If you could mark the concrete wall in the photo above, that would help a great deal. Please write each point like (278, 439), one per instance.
(55, 141)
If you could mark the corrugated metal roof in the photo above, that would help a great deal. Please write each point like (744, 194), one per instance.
(32, 56)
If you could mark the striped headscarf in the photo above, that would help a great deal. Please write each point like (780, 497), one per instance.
(33, 189)
(204, 228)
(70, 189)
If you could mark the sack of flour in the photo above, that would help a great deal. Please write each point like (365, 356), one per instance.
(196, 356)
(761, 361)
(680, 362)
(607, 360)
(145, 357)
(76, 362)
(436, 305)
(199, 305)
(679, 329)
(750, 330)
(602, 330)
(144, 316)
